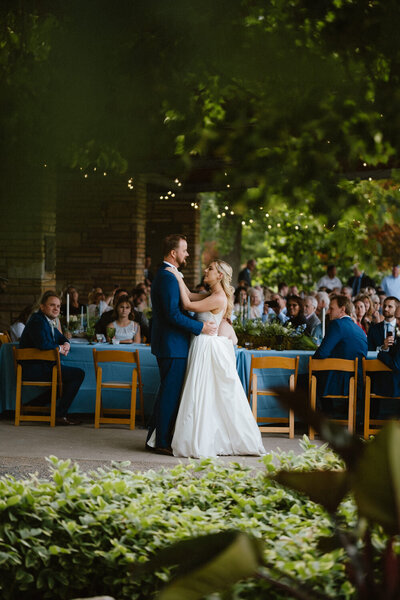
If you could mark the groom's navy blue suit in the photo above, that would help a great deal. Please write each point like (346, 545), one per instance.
(170, 338)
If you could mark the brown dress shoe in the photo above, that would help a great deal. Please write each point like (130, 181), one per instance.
(66, 421)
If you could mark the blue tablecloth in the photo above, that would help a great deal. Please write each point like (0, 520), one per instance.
(81, 355)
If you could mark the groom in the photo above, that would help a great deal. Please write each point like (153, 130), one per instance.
(170, 337)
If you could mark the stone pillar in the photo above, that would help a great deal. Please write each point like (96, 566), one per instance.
(100, 233)
(27, 239)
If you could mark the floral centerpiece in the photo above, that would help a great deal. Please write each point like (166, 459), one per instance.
(253, 333)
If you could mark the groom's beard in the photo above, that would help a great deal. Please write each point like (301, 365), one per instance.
(181, 264)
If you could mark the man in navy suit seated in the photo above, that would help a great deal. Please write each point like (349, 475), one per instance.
(170, 338)
(344, 339)
(41, 332)
(389, 385)
(381, 335)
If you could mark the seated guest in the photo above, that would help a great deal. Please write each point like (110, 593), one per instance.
(359, 308)
(329, 280)
(240, 298)
(343, 339)
(376, 309)
(225, 329)
(127, 331)
(390, 382)
(107, 317)
(276, 309)
(347, 291)
(17, 327)
(98, 305)
(139, 299)
(313, 324)
(381, 335)
(283, 289)
(322, 302)
(75, 307)
(256, 303)
(295, 311)
(41, 332)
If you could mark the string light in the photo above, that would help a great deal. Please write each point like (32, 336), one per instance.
(232, 212)
(218, 216)
(228, 185)
(45, 165)
(364, 164)
(104, 173)
(172, 195)
(269, 226)
(94, 168)
(251, 221)
(226, 207)
(86, 175)
(267, 215)
(243, 222)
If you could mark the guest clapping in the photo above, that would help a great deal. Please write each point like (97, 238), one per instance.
(127, 331)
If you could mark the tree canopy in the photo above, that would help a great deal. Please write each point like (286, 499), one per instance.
(287, 97)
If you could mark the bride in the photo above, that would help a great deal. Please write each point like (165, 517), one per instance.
(214, 415)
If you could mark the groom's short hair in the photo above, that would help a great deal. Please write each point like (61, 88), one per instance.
(171, 242)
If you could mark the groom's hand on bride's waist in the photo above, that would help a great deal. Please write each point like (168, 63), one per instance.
(209, 328)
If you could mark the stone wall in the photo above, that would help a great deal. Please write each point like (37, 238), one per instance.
(27, 239)
(101, 228)
(174, 215)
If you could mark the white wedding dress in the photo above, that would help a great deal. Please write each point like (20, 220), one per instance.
(214, 415)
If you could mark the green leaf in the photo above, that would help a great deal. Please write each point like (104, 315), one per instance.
(211, 563)
(323, 487)
(376, 479)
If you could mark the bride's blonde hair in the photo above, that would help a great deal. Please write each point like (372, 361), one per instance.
(226, 272)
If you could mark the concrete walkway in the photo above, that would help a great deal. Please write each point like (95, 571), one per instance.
(23, 449)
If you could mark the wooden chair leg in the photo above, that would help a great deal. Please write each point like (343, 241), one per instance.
(254, 393)
(18, 396)
(53, 398)
(350, 425)
(133, 400)
(98, 398)
(367, 409)
(291, 424)
(313, 403)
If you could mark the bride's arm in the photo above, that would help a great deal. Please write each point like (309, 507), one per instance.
(193, 296)
(209, 303)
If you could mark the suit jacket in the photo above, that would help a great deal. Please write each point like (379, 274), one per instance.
(171, 327)
(311, 323)
(38, 334)
(344, 339)
(365, 281)
(245, 275)
(388, 384)
(376, 335)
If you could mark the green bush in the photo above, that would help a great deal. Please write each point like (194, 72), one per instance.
(78, 534)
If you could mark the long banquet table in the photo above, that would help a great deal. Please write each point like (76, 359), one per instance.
(81, 355)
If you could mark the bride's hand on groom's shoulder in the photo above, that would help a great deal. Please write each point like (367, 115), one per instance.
(173, 271)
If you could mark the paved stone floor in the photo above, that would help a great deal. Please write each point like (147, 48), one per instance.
(23, 449)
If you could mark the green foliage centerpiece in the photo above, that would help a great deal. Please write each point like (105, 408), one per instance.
(253, 333)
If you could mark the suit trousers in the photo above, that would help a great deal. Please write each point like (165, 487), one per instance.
(72, 378)
(172, 375)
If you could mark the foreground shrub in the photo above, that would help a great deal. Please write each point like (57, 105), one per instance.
(78, 534)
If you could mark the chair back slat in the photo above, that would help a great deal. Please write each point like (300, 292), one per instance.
(374, 366)
(35, 354)
(333, 364)
(114, 356)
(273, 362)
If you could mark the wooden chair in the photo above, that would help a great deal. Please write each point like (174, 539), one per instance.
(113, 356)
(373, 366)
(334, 364)
(5, 338)
(272, 362)
(34, 354)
